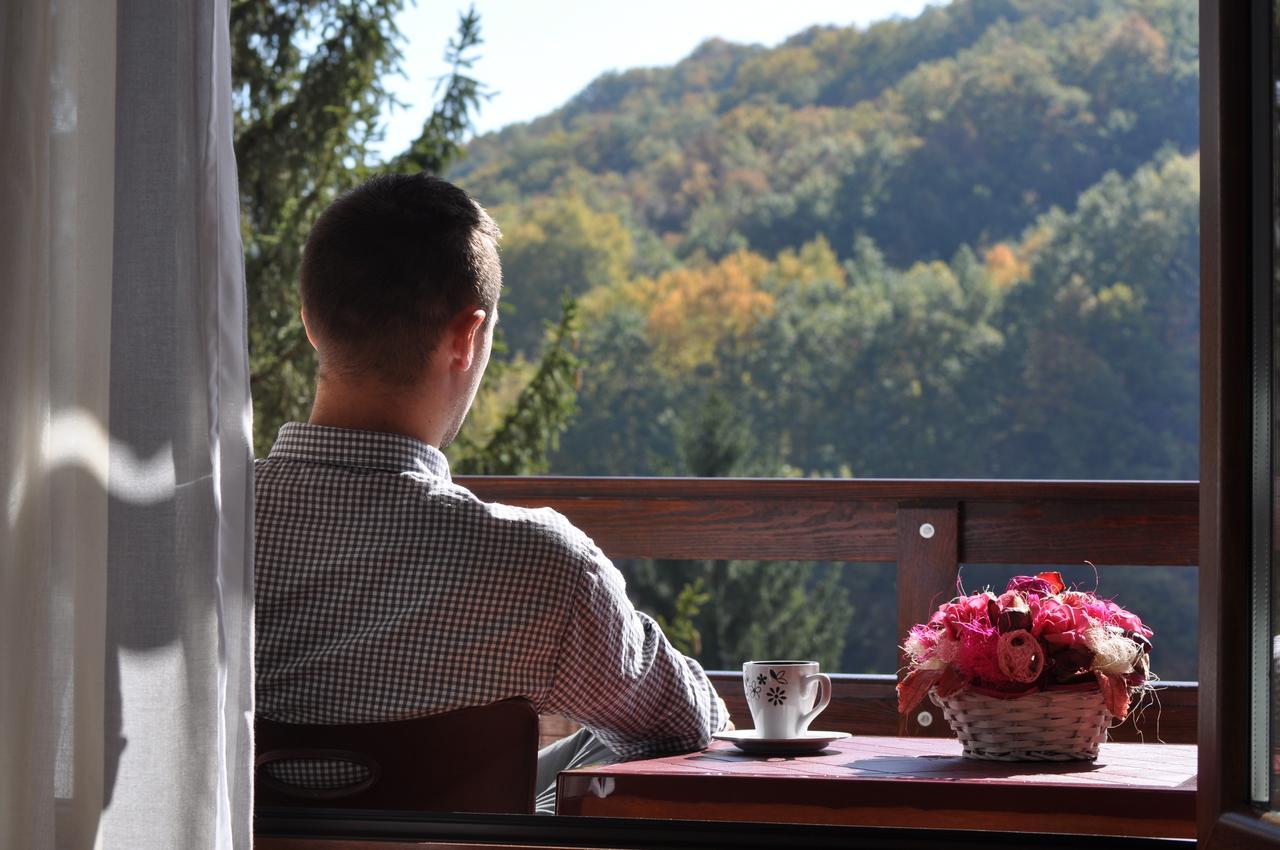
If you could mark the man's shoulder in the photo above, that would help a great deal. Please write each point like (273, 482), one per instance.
(545, 527)
(419, 498)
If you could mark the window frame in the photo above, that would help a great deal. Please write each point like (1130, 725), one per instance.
(1235, 249)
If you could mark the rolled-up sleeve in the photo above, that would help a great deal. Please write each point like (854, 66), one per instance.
(618, 674)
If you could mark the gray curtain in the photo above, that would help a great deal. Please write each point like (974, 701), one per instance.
(125, 465)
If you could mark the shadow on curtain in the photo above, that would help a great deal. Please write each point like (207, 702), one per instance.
(125, 577)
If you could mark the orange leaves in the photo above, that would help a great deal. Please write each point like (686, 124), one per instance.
(814, 261)
(1054, 579)
(914, 686)
(1115, 693)
(949, 682)
(694, 309)
(1005, 267)
(691, 310)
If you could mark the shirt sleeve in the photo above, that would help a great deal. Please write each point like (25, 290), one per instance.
(619, 675)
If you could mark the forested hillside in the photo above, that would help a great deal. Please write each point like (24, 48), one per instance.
(963, 245)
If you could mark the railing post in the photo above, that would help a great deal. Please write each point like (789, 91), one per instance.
(928, 564)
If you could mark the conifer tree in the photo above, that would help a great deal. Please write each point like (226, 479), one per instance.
(309, 86)
(729, 611)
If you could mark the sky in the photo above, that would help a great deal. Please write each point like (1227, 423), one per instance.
(539, 53)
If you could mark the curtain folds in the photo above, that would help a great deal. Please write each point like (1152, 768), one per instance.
(125, 464)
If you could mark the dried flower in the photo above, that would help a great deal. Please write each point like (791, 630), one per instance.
(1038, 634)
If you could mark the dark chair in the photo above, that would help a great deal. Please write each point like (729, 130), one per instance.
(480, 759)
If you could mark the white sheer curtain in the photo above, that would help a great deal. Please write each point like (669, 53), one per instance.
(125, 525)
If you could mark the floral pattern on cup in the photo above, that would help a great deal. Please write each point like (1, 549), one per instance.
(784, 696)
(775, 695)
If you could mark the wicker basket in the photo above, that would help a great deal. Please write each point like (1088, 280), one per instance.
(1045, 726)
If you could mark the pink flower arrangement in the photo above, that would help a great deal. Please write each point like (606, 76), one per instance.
(1037, 635)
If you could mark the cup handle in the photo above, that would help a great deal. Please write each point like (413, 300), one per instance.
(824, 699)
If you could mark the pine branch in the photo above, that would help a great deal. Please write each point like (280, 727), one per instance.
(442, 134)
(541, 412)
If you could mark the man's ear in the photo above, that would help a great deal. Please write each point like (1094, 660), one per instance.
(461, 340)
(310, 336)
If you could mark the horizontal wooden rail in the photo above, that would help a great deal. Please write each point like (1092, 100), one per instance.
(926, 527)
(1000, 522)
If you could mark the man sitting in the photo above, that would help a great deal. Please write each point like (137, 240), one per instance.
(386, 591)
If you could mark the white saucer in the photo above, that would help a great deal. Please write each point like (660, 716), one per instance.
(749, 741)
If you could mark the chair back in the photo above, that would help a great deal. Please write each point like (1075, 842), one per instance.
(481, 759)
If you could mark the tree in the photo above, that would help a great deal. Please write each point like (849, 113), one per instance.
(532, 426)
(957, 127)
(307, 78)
(1102, 359)
(556, 245)
(757, 609)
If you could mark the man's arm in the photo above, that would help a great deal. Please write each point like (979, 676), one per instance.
(620, 676)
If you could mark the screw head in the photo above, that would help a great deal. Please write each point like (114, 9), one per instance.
(924, 718)
(927, 530)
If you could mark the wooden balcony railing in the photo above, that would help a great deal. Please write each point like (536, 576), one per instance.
(1122, 523)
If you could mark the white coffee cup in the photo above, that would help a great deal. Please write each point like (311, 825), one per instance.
(785, 696)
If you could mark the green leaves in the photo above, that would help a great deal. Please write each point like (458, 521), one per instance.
(726, 612)
(680, 630)
(956, 128)
(532, 426)
(309, 92)
(460, 94)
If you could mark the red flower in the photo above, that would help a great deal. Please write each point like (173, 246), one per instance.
(1059, 624)
(962, 612)
(1042, 584)
(1126, 620)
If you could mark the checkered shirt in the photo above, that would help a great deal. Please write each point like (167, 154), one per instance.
(384, 591)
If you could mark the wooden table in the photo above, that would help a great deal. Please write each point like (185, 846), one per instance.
(1132, 789)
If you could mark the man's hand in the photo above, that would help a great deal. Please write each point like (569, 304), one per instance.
(728, 721)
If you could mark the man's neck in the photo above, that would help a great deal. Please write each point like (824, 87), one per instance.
(373, 406)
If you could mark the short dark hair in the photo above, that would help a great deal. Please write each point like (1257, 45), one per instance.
(388, 265)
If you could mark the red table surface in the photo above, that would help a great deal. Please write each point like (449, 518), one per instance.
(1132, 789)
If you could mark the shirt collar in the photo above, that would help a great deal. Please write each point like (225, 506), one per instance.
(363, 449)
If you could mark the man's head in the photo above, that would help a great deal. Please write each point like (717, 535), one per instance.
(400, 295)
(388, 266)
